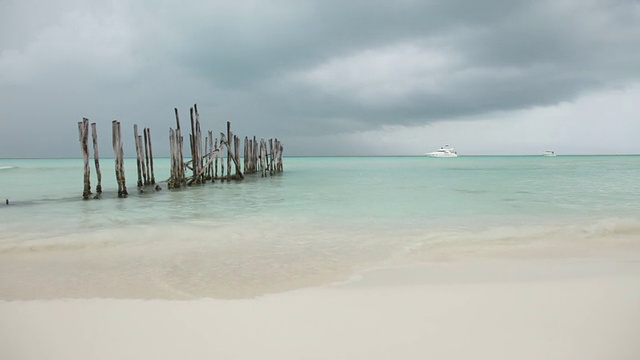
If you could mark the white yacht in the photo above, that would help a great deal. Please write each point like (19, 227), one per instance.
(549, 153)
(445, 151)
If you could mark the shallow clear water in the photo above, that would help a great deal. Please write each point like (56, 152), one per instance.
(319, 221)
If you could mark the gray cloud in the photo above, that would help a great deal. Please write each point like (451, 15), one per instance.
(300, 68)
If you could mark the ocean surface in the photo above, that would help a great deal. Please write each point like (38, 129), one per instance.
(323, 220)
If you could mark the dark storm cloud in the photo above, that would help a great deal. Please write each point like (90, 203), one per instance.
(512, 55)
(303, 67)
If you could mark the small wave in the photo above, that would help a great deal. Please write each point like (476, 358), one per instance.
(540, 240)
(613, 226)
(7, 167)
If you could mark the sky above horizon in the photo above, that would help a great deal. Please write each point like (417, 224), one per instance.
(326, 77)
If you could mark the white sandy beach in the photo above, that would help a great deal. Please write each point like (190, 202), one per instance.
(528, 309)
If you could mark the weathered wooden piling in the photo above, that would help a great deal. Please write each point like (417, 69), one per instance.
(177, 178)
(228, 141)
(217, 155)
(280, 148)
(180, 146)
(211, 151)
(199, 153)
(174, 161)
(223, 144)
(177, 167)
(83, 130)
(150, 148)
(271, 155)
(94, 135)
(118, 153)
(246, 154)
(255, 155)
(196, 147)
(236, 152)
(147, 172)
(139, 161)
(145, 143)
(263, 157)
(192, 143)
(145, 179)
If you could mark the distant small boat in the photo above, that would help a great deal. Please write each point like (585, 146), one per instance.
(549, 153)
(444, 152)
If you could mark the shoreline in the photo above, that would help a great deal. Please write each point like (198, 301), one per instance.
(554, 308)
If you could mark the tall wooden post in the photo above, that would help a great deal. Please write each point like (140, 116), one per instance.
(94, 136)
(228, 150)
(223, 142)
(179, 148)
(192, 142)
(217, 155)
(121, 150)
(83, 130)
(172, 153)
(118, 153)
(147, 173)
(153, 176)
(142, 163)
(211, 150)
(138, 157)
(263, 157)
(246, 154)
(236, 151)
(270, 157)
(280, 163)
(255, 154)
(198, 139)
(206, 151)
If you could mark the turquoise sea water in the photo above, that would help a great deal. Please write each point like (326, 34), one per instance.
(321, 220)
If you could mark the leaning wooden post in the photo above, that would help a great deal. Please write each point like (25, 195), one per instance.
(83, 130)
(94, 135)
(211, 154)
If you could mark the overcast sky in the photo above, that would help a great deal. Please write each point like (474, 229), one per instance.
(361, 77)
